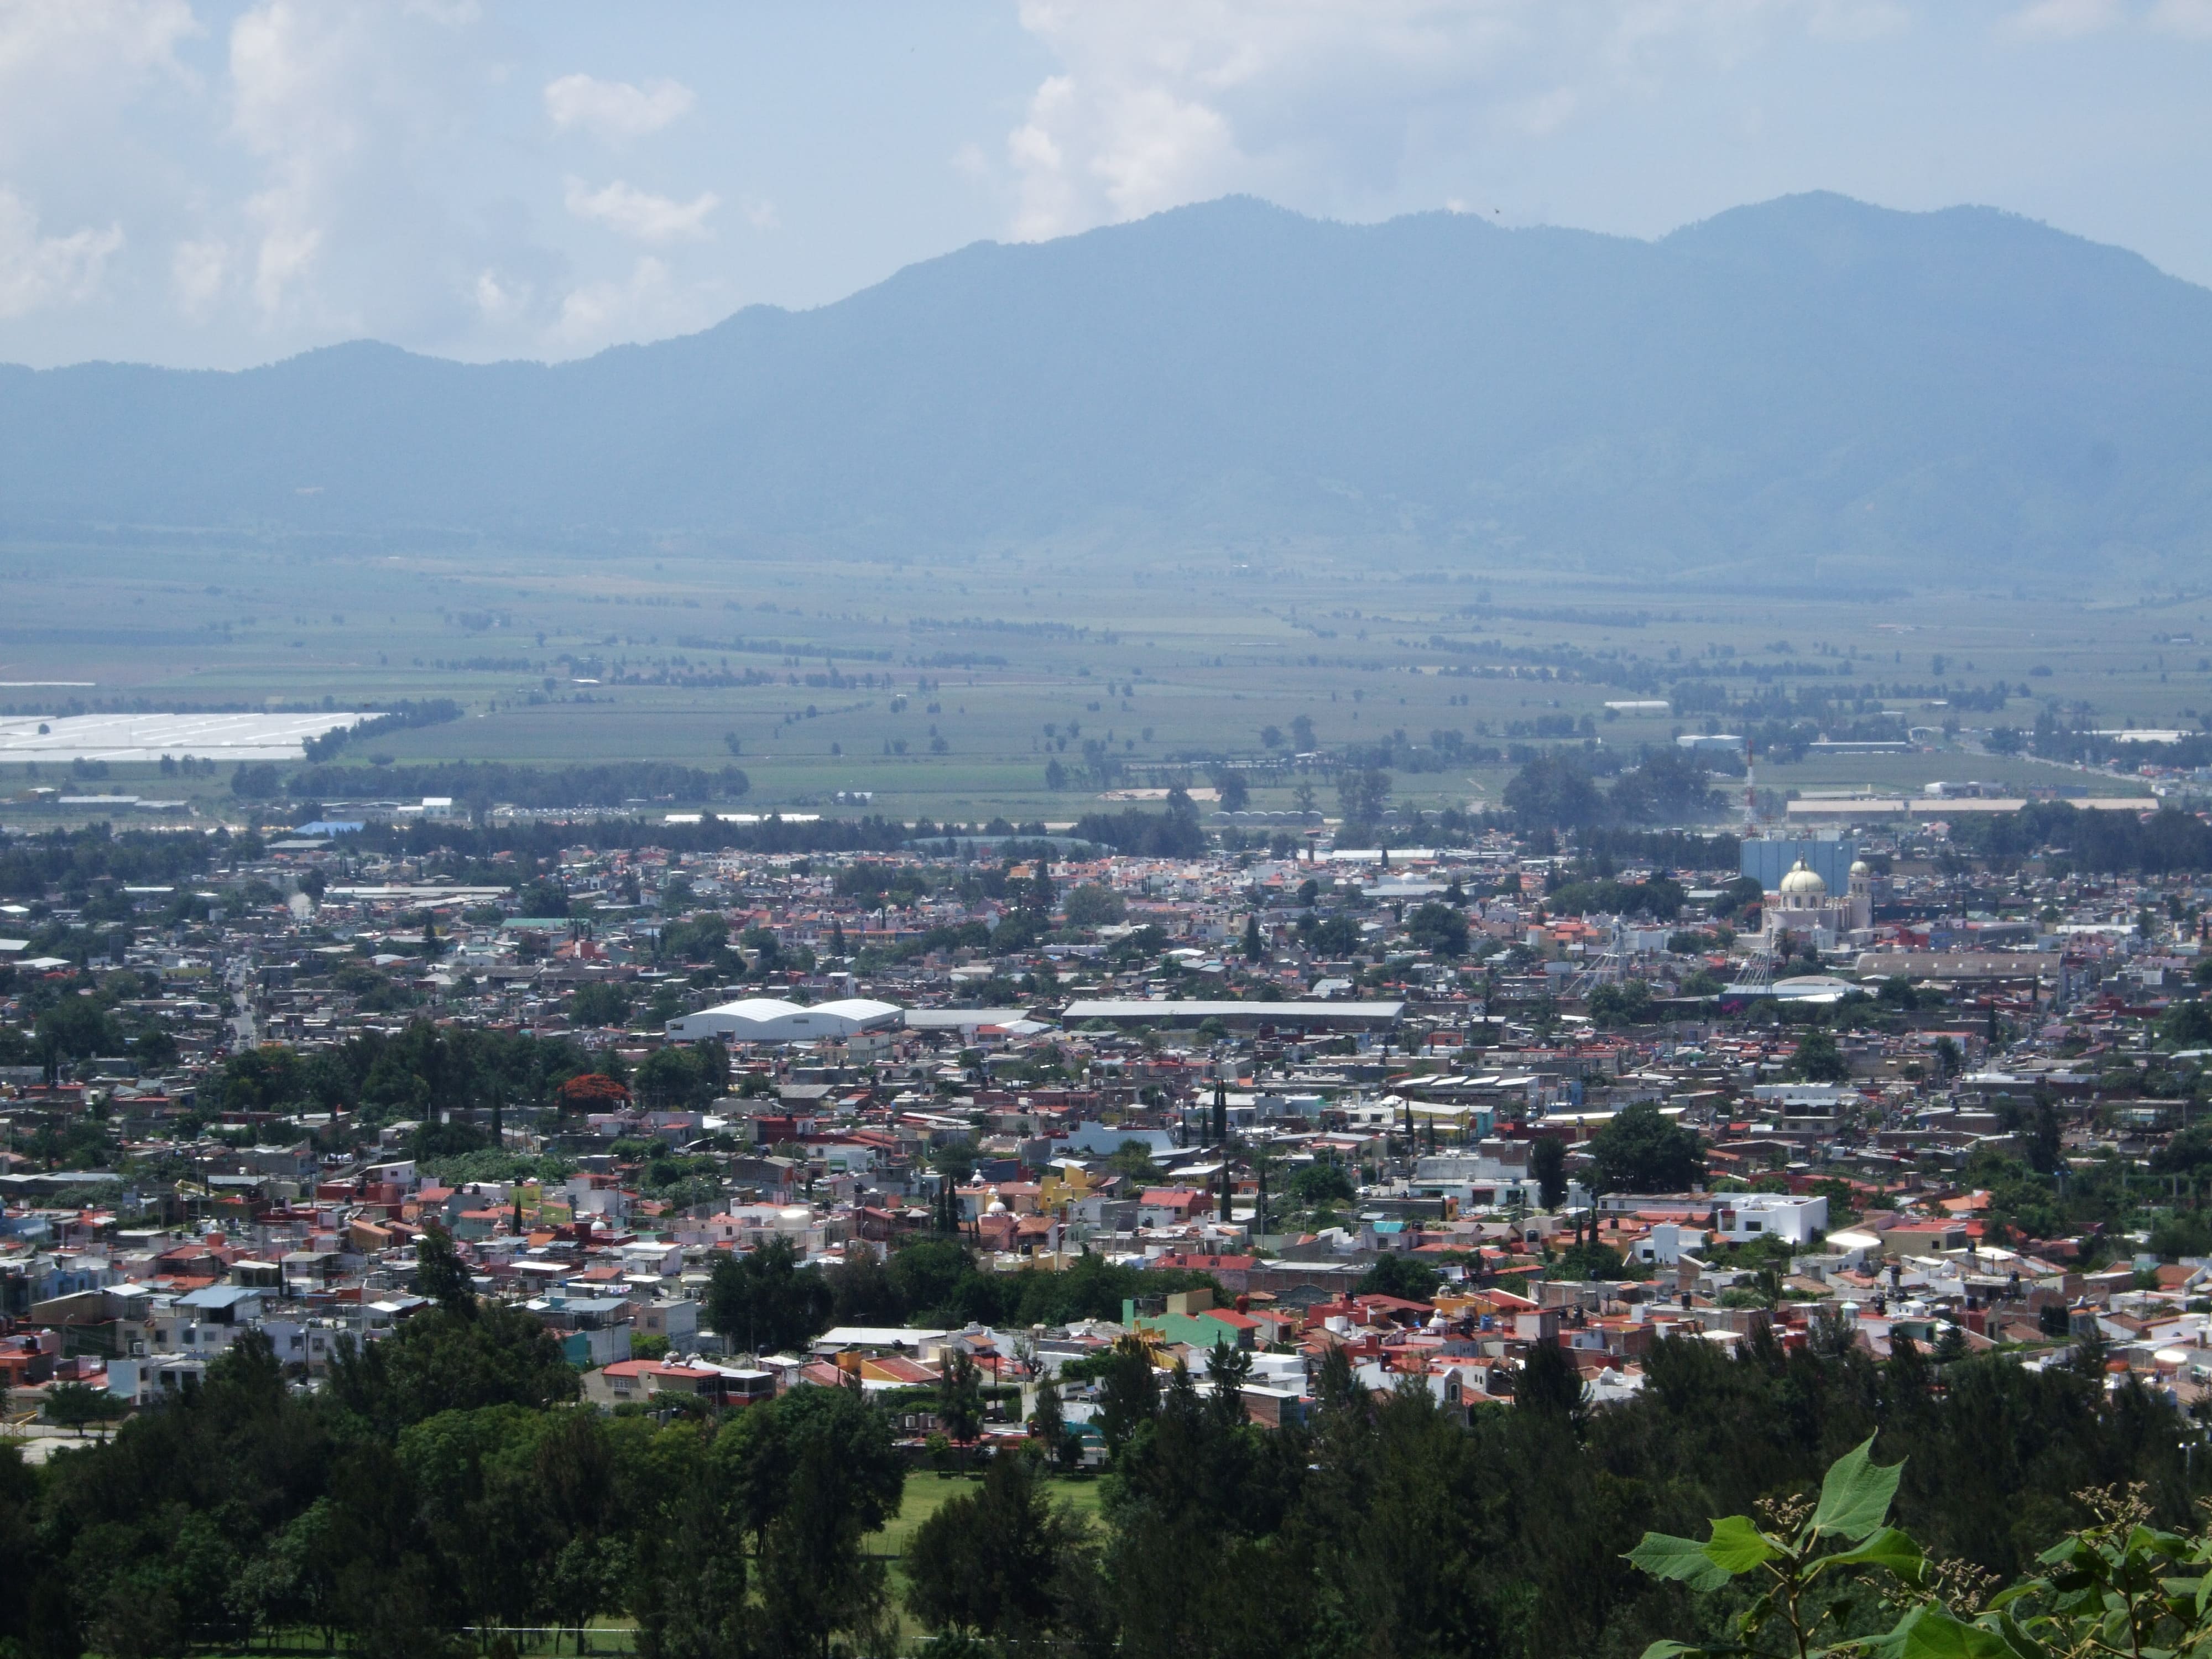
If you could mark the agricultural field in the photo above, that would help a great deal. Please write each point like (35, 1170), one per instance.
(1031, 683)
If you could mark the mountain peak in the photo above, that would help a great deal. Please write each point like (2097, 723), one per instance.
(1812, 378)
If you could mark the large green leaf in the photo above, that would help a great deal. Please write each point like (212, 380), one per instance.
(1674, 1651)
(1887, 1548)
(1685, 1559)
(1928, 1632)
(1737, 1546)
(1856, 1497)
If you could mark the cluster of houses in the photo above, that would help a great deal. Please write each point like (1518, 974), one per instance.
(1274, 1070)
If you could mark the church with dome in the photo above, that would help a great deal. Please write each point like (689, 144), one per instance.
(1803, 909)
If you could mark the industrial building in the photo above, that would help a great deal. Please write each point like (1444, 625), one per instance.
(1169, 1011)
(772, 1019)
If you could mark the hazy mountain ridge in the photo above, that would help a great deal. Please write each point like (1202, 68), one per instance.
(1810, 379)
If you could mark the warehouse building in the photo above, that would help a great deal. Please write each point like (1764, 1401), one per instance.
(772, 1019)
(1169, 1012)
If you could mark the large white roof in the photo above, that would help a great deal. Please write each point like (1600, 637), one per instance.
(773, 1019)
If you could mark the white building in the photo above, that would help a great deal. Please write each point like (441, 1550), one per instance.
(1741, 1217)
(1805, 910)
(772, 1019)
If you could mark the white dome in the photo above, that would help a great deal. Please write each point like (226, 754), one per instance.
(1860, 867)
(1803, 878)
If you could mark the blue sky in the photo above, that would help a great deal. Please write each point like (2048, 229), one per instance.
(215, 184)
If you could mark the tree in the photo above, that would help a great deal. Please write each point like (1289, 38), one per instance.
(443, 1360)
(1128, 1393)
(1362, 793)
(960, 1397)
(602, 1002)
(1050, 1422)
(1228, 1368)
(1091, 905)
(1589, 1260)
(816, 1580)
(1399, 1275)
(1301, 732)
(73, 1404)
(442, 1275)
(1133, 1159)
(1235, 794)
(1256, 948)
(764, 1302)
(1645, 1151)
(1625, 1004)
(2187, 1024)
(689, 1588)
(1320, 1182)
(1668, 786)
(1437, 928)
(990, 1562)
(809, 1477)
(1548, 1166)
(1553, 792)
(1818, 1060)
(1548, 1385)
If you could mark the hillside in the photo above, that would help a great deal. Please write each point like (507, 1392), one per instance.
(1844, 388)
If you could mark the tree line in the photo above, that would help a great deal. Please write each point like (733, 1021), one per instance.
(445, 1485)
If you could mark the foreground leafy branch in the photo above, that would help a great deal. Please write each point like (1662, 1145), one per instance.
(2117, 1589)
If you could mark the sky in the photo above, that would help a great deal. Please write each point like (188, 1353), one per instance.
(209, 185)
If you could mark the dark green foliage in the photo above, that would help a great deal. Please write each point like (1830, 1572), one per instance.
(1384, 1526)
(959, 1395)
(2186, 1026)
(1400, 1275)
(1174, 834)
(403, 715)
(1644, 1151)
(1437, 928)
(1667, 785)
(1587, 1260)
(995, 1561)
(762, 1302)
(1093, 906)
(1553, 791)
(72, 859)
(460, 1069)
(1660, 898)
(1818, 1060)
(1625, 1004)
(442, 1275)
(1322, 1182)
(444, 1359)
(603, 1004)
(1548, 1167)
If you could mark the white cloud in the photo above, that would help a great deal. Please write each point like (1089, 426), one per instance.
(47, 41)
(640, 215)
(616, 110)
(650, 304)
(1329, 105)
(2063, 19)
(37, 272)
(2192, 18)
(199, 270)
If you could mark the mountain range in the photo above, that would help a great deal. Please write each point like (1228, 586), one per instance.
(1810, 385)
